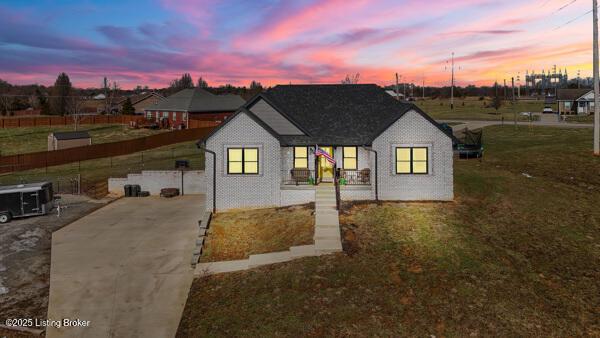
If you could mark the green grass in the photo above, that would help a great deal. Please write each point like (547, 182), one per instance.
(512, 256)
(93, 171)
(472, 108)
(580, 119)
(238, 234)
(33, 139)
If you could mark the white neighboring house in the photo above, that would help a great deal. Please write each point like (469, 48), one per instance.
(384, 149)
(575, 101)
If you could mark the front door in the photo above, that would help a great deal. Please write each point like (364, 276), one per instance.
(30, 203)
(325, 167)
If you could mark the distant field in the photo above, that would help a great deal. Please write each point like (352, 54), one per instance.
(33, 139)
(473, 108)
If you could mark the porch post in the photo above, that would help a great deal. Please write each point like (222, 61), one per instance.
(316, 166)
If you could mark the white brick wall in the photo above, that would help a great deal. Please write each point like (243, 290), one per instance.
(414, 130)
(264, 190)
(297, 196)
(244, 191)
(356, 193)
(153, 180)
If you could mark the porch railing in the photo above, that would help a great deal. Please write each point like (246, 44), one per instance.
(355, 177)
(298, 177)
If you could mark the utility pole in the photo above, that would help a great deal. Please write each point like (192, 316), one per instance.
(397, 90)
(452, 85)
(596, 84)
(513, 100)
(423, 88)
(504, 89)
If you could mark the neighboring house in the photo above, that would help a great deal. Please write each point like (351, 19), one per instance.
(68, 139)
(193, 103)
(140, 102)
(384, 148)
(575, 101)
(395, 95)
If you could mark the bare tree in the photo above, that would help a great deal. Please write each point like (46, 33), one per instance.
(110, 93)
(351, 79)
(74, 105)
(5, 104)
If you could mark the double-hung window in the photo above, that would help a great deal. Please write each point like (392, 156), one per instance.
(350, 158)
(412, 160)
(301, 157)
(242, 161)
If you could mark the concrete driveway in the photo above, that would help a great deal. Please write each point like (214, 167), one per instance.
(125, 268)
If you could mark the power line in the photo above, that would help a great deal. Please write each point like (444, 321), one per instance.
(565, 6)
(573, 20)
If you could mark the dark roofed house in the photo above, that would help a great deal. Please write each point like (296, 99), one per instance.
(140, 102)
(575, 101)
(68, 139)
(193, 103)
(268, 152)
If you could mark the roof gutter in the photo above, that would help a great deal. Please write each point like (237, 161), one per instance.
(376, 171)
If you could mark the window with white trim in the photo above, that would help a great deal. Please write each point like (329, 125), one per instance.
(242, 161)
(412, 160)
(301, 157)
(350, 158)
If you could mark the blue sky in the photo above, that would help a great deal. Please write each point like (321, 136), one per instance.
(152, 42)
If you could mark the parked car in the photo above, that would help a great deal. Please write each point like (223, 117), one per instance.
(526, 113)
(25, 200)
(547, 110)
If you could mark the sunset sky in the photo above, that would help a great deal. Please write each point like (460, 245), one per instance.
(316, 41)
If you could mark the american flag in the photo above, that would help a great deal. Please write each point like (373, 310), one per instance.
(321, 152)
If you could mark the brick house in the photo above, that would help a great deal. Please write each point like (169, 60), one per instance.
(140, 102)
(575, 101)
(194, 103)
(266, 153)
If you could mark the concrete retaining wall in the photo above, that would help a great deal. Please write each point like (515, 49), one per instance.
(194, 182)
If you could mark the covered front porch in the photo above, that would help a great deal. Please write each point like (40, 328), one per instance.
(300, 166)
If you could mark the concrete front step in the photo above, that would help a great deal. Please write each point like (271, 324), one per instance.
(330, 203)
(303, 251)
(327, 233)
(326, 219)
(326, 212)
(328, 245)
(269, 258)
(219, 267)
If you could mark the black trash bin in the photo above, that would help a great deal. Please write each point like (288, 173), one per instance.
(127, 188)
(136, 190)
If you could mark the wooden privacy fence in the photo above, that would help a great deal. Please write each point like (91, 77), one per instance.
(18, 122)
(202, 123)
(57, 157)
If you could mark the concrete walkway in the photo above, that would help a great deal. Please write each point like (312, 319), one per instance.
(125, 268)
(327, 224)
(327, 240)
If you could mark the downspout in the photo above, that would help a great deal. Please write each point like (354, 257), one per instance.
(376, 172)
(201, 146)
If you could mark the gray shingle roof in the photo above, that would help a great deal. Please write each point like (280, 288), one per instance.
(71, 135)
(197, 100)
(570, 94)
(338, 114)
(333, 114)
